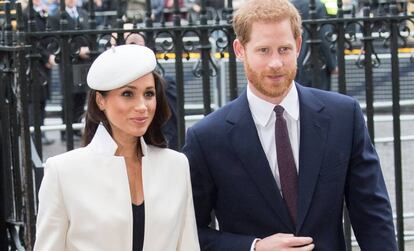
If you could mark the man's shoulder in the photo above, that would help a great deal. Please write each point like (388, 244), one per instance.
(82, 10)
(216, 119)
(333, 103)
(327, 96)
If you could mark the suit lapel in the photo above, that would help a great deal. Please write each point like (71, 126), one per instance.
(314, 126)
(71, 21)
(246, 144)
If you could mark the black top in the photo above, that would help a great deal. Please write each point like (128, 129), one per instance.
(138, 216)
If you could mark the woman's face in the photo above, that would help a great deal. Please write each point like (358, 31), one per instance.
(130, 109)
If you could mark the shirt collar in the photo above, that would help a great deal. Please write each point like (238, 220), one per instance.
(102, 142)
(262, 111)
(37, 8)
(71, 10)
(291, 103)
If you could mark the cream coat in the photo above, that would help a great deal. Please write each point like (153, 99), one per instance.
(85, 203)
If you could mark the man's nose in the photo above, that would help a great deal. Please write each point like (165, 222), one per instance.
(275, 61)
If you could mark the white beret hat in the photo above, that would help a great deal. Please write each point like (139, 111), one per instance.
(119, 66)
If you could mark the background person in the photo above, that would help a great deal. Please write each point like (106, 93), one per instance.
(45, 65)
(124, 190)
(277, 164)
(77, 18)
(325, 54)
(133, 9)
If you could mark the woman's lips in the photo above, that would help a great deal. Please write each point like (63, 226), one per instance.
(139, 120)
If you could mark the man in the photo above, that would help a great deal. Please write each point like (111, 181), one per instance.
(133, 9)
(214, 7)
(42, 69)
(3, 230)
(410, 11)
(77, 19)
(273, 189)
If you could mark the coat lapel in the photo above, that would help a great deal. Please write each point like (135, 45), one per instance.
(314, 126)
(246, 144)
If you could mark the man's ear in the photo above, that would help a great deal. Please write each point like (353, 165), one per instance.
(238, 49)
(298, 45)
(100, 101)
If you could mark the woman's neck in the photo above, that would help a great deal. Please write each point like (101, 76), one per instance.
(129, 149)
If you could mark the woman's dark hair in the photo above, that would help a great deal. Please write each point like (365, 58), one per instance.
(153, 136)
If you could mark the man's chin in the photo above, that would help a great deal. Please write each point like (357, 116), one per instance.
(279, 89)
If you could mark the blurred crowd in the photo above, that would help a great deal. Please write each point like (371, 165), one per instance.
(162, 9)
(355, 7)
(134, 10)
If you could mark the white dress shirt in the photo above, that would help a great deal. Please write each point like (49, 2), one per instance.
(264, 118)
(73, 12)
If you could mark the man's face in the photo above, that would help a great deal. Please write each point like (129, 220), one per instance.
(36, 2)
(270, 59)
(71, 3)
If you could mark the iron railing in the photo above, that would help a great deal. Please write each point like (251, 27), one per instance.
(181, 41)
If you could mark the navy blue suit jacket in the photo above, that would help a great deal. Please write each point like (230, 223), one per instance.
(337, 162)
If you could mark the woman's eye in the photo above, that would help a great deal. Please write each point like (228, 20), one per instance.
(149, 94)
(127, 94)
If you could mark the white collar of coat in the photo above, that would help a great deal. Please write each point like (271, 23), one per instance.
(103, 143)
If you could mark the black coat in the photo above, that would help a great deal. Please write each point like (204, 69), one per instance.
(170, 128)
(80, 66)
(82, 22)
(41, 73)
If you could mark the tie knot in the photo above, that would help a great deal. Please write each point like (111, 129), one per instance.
(279, 110)
(73, 13)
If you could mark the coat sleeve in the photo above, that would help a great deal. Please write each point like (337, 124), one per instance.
(52, 220)
(366, 194)
(188, 237)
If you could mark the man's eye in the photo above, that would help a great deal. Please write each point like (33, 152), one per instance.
(263, 50)
(284, 49)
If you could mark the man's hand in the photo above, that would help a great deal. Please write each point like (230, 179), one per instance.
(84, 52)
(51, 62)
(280, 242)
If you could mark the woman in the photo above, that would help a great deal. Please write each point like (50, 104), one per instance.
(124, 190)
